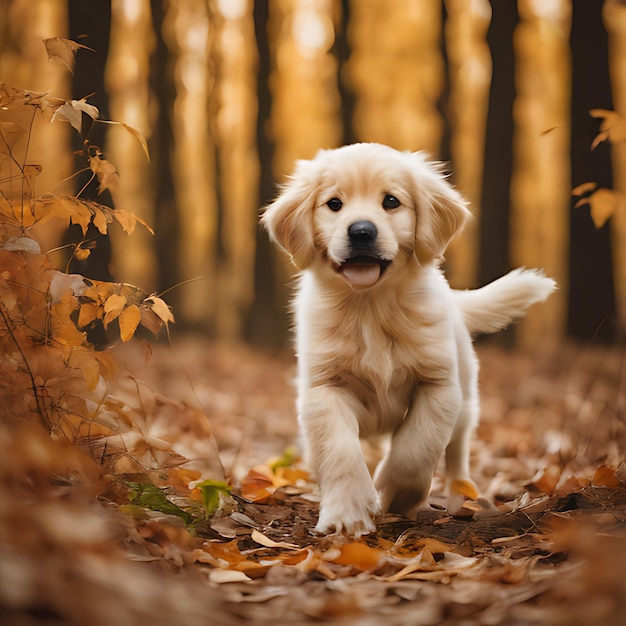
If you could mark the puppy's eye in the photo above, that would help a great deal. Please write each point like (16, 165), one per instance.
(334, 204)
(390, 202)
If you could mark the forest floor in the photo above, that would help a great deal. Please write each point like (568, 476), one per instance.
(199, 512)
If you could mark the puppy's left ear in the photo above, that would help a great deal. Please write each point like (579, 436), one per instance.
(441, 210)
(289, 219)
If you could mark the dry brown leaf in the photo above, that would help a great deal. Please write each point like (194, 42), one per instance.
(63, 51)
(547, 479)
(106, 173)
(160, 309)
(85, 360)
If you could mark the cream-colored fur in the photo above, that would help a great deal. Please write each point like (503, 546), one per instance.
(383, 344)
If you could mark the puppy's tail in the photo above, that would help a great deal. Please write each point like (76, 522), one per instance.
(494, 306)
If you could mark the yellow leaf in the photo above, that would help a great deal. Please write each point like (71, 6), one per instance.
(113, 307)
(465, 488)
(129, 320)
(114, 302)
(87, 314)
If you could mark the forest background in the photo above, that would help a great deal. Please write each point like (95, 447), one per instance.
(229, 94)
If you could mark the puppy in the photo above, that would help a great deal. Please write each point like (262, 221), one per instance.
(383, 343)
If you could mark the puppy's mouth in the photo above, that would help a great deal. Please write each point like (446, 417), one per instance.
(363, 271)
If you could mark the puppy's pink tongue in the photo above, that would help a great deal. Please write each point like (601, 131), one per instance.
(361, 274)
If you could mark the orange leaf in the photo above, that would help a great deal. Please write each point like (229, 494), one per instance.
(129, 320)
(605, 476)
(546, 480)
(257, 485)
(360, 555)
(87, 314)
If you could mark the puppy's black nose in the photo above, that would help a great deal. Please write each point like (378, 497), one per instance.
(362, 233)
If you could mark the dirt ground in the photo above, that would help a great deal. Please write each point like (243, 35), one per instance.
(86, 535)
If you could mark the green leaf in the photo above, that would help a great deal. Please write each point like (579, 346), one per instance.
(211, 491)
(289, 457)
(153, 498)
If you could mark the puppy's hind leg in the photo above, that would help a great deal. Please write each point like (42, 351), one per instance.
(458, 482)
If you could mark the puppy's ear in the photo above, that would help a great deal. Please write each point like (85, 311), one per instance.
(441, 210)
(289, 219)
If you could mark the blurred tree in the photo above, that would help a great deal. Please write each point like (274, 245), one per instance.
(614, 13)
(396, 73)
(130, 101)
(591, 304)
(469, 69)
(540, 184)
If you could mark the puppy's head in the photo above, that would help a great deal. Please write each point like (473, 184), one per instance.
(361, 211)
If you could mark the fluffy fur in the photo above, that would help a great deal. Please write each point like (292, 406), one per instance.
(383, 343)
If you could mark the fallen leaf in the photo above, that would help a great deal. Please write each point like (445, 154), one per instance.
(221, 576)
(262, 540)
(605, 476)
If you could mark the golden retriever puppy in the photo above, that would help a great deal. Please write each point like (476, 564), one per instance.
(383, 343)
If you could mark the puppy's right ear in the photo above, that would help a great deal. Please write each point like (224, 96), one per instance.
(289, 219)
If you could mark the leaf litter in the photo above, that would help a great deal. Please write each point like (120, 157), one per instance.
(540, 545)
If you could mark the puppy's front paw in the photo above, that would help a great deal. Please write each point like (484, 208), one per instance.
(348, 513)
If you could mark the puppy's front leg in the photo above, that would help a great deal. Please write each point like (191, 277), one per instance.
(404, 476)
(328, 418)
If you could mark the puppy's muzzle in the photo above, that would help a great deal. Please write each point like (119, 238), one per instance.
(365, 264)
